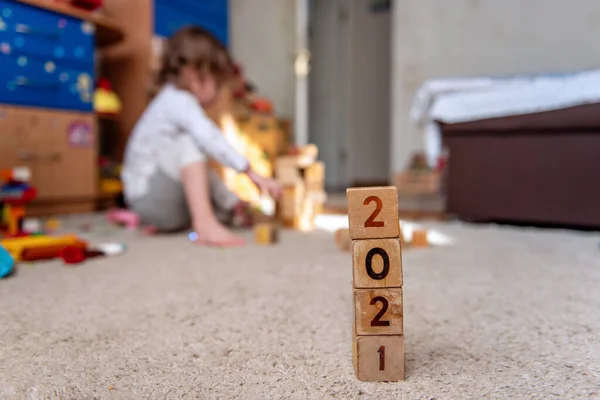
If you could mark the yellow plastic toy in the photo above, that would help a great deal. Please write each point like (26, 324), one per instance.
(18, 245)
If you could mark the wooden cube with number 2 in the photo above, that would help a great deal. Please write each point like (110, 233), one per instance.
(378, 311)
(373, 212)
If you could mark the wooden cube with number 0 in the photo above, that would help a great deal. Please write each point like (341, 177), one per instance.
(376, 263)
(373, 212)
(378, 311)
(379, 358)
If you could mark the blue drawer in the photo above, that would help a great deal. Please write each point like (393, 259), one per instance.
(30, 30)
(34, 81)
(213, 15)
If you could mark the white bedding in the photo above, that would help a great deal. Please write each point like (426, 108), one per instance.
(472, 99)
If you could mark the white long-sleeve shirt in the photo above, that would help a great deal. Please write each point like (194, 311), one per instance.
(172, 112)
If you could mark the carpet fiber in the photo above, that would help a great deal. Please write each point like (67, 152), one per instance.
(503, 313)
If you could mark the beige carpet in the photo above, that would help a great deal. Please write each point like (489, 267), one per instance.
(505, 313)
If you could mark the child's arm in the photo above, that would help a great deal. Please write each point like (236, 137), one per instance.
(189, 116)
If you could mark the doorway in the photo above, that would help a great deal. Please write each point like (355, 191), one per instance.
(349, 91)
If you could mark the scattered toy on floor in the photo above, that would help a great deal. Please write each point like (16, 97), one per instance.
(124, 217)
(15, 194)
(72, 255)
(419, 238)
(34, 248)
(52, 225)
(266, 233)
(6, 263)
(32, 226)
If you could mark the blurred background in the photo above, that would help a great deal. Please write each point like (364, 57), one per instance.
(476, 109)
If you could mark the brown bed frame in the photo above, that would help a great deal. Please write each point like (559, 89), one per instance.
(539, 168)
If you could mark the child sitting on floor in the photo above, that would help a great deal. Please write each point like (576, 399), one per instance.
(167, 181)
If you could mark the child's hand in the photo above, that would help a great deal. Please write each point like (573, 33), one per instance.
(266, 185)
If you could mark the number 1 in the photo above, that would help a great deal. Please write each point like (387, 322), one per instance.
(381, 352)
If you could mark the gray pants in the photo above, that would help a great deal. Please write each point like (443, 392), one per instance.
(164, 206)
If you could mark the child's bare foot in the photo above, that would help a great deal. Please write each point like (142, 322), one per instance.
(216, 235)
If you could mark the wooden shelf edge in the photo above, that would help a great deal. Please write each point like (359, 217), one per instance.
(108, 32)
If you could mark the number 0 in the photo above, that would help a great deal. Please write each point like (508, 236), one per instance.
(369, 263)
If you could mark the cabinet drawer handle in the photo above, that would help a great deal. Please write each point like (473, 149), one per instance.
(23, 81)
(28, 30)
(52, 157)
(25, 155)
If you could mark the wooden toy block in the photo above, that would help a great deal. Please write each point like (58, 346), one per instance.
(265, 233)
(287, 171)
(378, 311)
(290, 205)
(315, 174)
(419, 238)
(373, 212)
(379, 358)
(342, 239)
(308, 155)
(376, 263)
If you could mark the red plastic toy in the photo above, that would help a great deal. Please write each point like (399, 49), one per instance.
(89, 5)
(14, 195)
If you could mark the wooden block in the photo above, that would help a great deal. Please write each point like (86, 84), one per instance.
(378, 311)
(290, 204)
(419, 238)
(287, 170)
(354, 349)
(307, 155)
(265, 233)
(376, 263)
(379, 358)
(342, 239)
(315, 173)
(373, 212)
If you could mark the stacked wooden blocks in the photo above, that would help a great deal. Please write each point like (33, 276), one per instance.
(303, 181)
(378, 332)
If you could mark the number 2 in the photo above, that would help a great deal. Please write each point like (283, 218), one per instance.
(370, 222)
(381, 352)
(377, 320)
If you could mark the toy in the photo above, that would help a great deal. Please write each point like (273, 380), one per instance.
(266, 233)
(52, 225)
(14, 195)
(106, 101)
(378, 328)
(89, 5)
(124, 217)
(33, 248)
(6, 263)
(75, 255)
(419, 238)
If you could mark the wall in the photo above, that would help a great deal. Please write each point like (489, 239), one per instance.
(262, 37)
(440, 38)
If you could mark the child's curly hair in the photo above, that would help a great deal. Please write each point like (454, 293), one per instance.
(197, 47)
